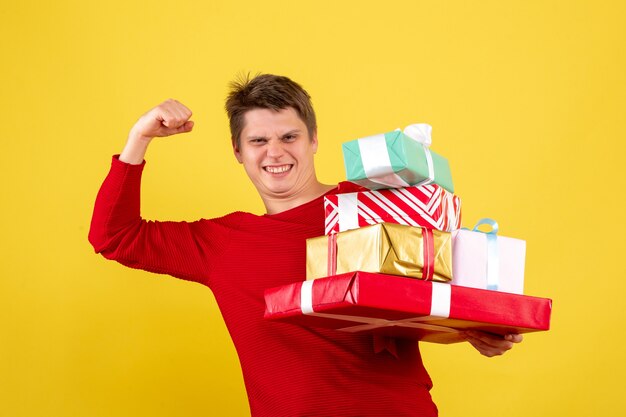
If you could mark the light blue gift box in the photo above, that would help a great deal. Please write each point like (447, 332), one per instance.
(394, 160)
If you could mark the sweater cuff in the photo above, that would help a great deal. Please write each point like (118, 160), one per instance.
(123, 165)
(124, 173)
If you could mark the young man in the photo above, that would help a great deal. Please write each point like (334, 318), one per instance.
(288, 370)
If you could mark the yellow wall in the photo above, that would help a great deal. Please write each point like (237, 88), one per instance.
(527, 101)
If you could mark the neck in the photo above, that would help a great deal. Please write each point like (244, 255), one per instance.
(278, 204)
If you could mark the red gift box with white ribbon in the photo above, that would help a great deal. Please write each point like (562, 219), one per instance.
(393, 306)
(422, 206)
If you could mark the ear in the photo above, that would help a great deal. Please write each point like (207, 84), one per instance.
(314, 142)
(237, 152)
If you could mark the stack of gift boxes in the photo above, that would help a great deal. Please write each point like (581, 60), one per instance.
(405, 223)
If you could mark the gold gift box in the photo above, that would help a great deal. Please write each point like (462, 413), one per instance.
(386, 248)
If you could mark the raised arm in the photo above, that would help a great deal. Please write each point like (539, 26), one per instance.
(117, 230)
(168, 118)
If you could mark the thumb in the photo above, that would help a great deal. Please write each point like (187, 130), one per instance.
(186, 127)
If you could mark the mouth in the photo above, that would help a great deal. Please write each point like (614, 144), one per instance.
(278, 169)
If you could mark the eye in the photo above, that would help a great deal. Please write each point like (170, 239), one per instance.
(258, 141)
(290, 137)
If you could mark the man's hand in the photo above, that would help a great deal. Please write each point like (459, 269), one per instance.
(168, 118)
(490, 344)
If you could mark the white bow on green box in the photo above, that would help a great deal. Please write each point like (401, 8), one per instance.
(396, 159)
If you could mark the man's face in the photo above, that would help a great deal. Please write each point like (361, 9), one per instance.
(277, 152)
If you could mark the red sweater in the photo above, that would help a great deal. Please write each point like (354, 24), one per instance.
(288, 370)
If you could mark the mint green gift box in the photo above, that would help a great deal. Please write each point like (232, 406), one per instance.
(394, 160)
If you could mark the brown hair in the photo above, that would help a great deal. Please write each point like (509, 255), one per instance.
(266, 91)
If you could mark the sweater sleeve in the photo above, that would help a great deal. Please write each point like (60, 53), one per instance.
(181, 249)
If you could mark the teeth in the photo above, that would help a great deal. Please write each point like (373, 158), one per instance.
(277, 170)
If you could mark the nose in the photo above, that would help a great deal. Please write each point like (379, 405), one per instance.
(275, 149)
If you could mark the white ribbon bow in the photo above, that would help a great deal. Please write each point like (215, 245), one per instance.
(420, 132)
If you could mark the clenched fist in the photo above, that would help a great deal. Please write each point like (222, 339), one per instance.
(166, 119)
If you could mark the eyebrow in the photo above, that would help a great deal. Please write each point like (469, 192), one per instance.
(291, 132)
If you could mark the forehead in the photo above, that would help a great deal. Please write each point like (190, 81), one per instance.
(264, 122)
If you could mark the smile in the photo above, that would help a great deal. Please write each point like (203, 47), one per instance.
(277, 169)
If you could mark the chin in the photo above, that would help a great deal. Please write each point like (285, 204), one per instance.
(278, 188)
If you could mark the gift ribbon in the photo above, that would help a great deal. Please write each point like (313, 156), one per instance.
(422, 133)
(428, 254)
(439, 309)
(493, 262)
(376, 161)
(332, 255)
(347, 207)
